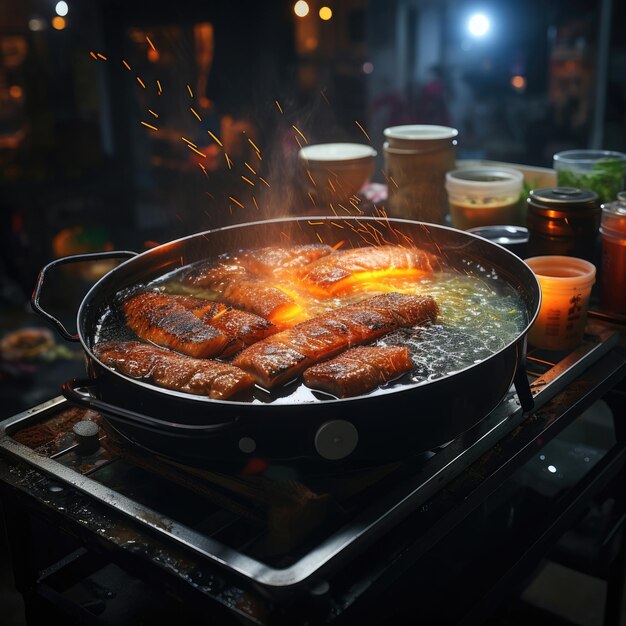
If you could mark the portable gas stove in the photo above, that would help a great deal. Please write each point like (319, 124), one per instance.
(102, 532)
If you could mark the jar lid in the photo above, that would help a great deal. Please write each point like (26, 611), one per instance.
(618, 207)
(420, 132)
(561, 197)
(502, 234)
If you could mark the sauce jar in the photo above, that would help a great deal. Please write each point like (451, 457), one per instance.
(613, 233)
(485, 196)
(563, 221)
(417, 158)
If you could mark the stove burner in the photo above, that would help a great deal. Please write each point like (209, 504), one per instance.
(274, 525)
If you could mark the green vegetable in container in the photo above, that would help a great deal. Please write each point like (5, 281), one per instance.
(606, 178)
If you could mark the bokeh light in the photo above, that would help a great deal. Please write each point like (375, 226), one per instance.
(326, 13)
(301, 8)
(478, 25)
(62, 8)
(58, 23)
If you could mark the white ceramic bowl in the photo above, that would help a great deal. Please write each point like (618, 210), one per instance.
(337, 169)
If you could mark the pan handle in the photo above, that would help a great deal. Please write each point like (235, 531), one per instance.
(520, 380)
(34, 301)
(70, 390)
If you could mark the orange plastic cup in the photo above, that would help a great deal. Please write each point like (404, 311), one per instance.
(566, 284)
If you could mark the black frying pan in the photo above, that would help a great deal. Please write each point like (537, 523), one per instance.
(377, 427)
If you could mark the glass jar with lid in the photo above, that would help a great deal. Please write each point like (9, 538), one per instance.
(417, 157)
(613, 234)
(563, 221)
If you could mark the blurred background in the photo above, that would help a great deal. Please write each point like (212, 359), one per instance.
(123, 124)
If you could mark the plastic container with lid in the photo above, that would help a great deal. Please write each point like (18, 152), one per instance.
(563, 221)
(485, 196)
(417, 157)
(566, 284)
(601, 171)
(613, 233)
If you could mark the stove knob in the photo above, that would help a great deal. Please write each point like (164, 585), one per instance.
(336, 439)
(86, 434)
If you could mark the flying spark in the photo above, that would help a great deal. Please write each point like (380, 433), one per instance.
(311, 198)
(102, 56)
(250, 168)
(308, 172)
(196, 151)
(217, 141)
(236, 202)
(356, 207)
(264, 181)
(125, 64)
(141, 82)
(203, 169)
(153, 113)
(150, 42)
(363, 130)
(149, 126)
(196, 114)
(160, 90)
(254, 146)
(279, 107)
(94, 55)
(300, 133)
(248, 181)
(255, 203)
(190, 143)
(228, 161)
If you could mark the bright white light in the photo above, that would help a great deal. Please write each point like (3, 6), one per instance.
(61, 8)
(552, 469)
(478, 25)
(301, 8)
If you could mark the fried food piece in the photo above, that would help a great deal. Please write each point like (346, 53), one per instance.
(215, 274)
(230, 329)
(359, 370)
(340, 272)
(167, 321)
(174, 371)
(282, 259)
(285, 355)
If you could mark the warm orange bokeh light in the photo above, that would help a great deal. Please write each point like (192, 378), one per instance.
(301, 8)
(58, 23)
(518, 82)
(16, 92)
(153, 55)
(326, 13)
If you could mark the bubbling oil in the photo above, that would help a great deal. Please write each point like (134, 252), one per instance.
(478, 317)
(479, 314)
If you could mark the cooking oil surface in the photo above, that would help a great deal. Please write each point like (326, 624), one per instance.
(479, 314)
